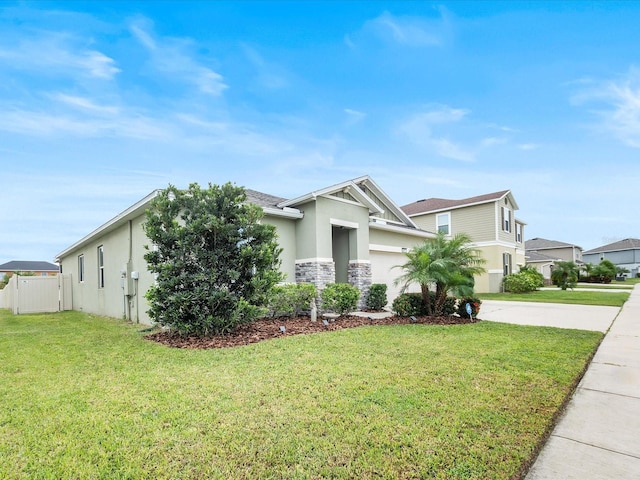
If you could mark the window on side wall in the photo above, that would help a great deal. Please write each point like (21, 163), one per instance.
(101, 266)
(80, 268)
(506, 262)
(506, 219)
(518, 233)
(443, 223)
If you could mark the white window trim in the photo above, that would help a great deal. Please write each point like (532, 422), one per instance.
(81, 268)
(101, 281)
(448, 223)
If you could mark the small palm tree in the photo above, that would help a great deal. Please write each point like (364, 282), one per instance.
(449, 264)
(565, 275)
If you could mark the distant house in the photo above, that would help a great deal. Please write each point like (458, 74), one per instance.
(490, 222)
(351, 232)
(566, 252)
(41, 269)
(624, 253)
(542, 254)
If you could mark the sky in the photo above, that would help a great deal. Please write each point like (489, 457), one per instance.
(103, 102)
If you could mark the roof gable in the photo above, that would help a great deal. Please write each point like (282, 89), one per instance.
(362, 190)
(431, 205)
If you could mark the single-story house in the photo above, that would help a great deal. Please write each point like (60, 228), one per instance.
(40, 269)
(489, 220)
(623, 253)
(349, 232)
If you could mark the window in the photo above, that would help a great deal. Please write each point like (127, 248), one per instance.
(506, 219)
(519, 232)
(80, 268)
(506, 262)
(101, 266)
(443, 223)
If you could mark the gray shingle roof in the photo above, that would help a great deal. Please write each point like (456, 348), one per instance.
(539, 257)
(28, 266)
(434, 204)
(543, 243)
(626, 244)
(263, 199)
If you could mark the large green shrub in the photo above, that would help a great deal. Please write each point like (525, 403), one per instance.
(408, 304)
(340, 298)
(291, 299)
(377, 297)
(215, 262)
(526, 280)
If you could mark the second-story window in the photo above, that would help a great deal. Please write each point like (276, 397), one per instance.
(506, 219)
(518, 232)
(443, 223)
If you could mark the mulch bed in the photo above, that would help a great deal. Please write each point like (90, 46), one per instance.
(268, 328)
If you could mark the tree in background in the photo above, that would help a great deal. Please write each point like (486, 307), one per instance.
(448, 264)
(214, 262)
(565, 275)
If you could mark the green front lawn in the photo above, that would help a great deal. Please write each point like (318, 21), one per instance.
(584, 297)
(88, 397)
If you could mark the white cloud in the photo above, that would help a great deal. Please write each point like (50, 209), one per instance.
(408, 31)
(528, 146)
(419, 129)
(58, 54)
(618, 106)
(172, 56)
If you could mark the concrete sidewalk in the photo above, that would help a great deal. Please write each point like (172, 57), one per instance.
(598, 436)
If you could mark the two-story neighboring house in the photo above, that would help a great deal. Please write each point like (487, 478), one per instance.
(490, 222)
(623, 253)
(542, 254)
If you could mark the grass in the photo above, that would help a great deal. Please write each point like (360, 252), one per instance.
(582, 297)
(88, 397)
(605, 286)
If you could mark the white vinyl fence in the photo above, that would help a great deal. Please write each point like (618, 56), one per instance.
(37, 294)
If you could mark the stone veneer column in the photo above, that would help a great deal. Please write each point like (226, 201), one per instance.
(359, 275)
(319, 273)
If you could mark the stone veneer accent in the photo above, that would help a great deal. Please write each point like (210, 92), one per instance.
(318, 273)
(359, 275)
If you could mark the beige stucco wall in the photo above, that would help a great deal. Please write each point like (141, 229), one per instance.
(491, 281)
(286, 232)
(386, 252)
(123, 250)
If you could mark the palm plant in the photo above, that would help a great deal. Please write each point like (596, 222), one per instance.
(449, 264)
(565, 275)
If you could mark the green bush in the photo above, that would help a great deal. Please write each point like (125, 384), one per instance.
(377, 297)
(291, 299)
(526, 280)
(340, 298)
(408, 304)
(462, 306)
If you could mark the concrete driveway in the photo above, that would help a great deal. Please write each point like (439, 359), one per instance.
(583, 317)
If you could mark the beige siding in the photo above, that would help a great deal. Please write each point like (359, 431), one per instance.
(477, 221)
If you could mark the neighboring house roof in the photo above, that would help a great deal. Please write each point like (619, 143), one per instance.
(28, 266)
(431, 205)
(537, 257)
(626, 244)
(543, 244)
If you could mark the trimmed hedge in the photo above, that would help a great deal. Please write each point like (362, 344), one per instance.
(408, 304)
(377, 298)
(340, 298)
(291, 299)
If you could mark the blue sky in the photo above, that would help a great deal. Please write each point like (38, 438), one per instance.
(102, 102)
